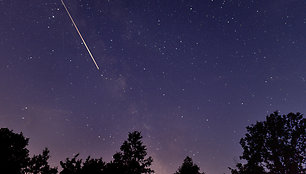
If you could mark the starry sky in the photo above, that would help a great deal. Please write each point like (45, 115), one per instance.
(189, 74)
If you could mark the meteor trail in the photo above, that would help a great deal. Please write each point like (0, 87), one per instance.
(75, 26)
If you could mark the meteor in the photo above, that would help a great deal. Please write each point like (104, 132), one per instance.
(75, 26)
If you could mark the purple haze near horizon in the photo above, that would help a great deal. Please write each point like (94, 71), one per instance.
(190, 75)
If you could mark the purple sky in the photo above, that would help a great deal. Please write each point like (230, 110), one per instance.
(190, 75)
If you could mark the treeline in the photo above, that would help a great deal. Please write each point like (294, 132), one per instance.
(273, 146)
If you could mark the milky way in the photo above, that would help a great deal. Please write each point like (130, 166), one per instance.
(190, 75)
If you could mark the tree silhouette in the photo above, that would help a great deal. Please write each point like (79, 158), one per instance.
(274, 146)
(14, 156)
(93, 166)
(188, 167)
(38, 164)
(131, 159)
(71, 166)
(75, 166)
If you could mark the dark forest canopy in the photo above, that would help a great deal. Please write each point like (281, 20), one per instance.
(188, 167)
(273, 146)
(14, 156)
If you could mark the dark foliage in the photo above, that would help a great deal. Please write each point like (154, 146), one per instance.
(274, 146)
(94, 166)
(38, 164)
(75, 166)
(132, 158)
(72, 166)
(14, 156)
(188, 167)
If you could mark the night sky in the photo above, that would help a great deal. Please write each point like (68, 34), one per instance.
(190, 75)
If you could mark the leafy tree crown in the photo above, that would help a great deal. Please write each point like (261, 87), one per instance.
(274, 146)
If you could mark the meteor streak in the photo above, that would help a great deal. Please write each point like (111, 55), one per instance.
(75, 26)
